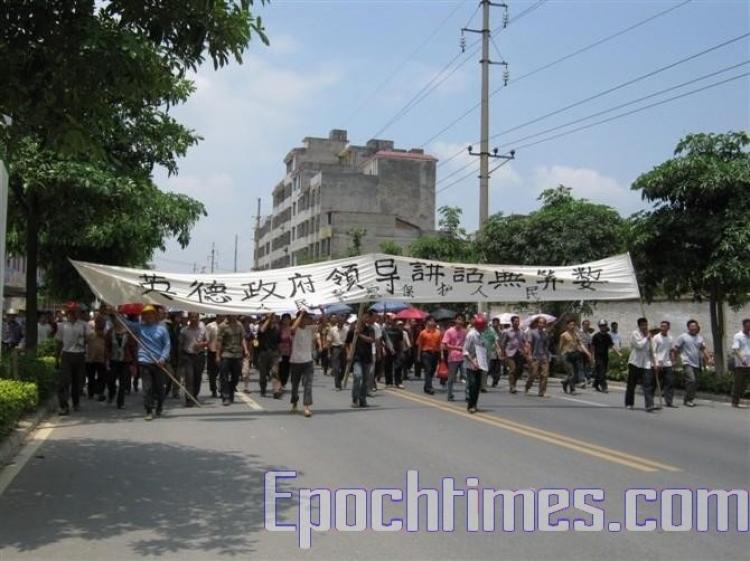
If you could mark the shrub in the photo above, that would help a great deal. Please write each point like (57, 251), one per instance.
(16, 398)
(41, 371)
(47, 348)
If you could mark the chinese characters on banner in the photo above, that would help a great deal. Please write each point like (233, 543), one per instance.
(365, 278)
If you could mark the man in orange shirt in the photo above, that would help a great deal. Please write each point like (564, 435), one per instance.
(428, 352)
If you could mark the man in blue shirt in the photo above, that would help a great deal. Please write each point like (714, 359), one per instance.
(154, 350)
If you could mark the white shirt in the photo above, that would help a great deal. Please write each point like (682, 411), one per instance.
(302, 344)
(72, 336)
(741, 343)
(334, 336)
(662, 350)
(212, 335)
(640, 350)
(617, 340)
(691, 349)
(43, 331)
(378, 335)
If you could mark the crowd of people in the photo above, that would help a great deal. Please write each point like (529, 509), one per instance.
(106, 356)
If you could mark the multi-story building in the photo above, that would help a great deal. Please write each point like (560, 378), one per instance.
(332, 189)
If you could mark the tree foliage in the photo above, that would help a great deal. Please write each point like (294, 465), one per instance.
(563, 231)
(696, 240)
(451, 243)
(391, 248)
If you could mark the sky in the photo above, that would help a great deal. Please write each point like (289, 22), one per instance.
(355, 64)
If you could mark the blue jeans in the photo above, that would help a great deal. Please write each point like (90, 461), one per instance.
(453, 369)
(359, 382)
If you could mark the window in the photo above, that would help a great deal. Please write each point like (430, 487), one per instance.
(330, 218)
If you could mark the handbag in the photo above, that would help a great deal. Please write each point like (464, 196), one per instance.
(442, 370)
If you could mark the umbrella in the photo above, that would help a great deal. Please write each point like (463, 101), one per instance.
(442, 314)
(133, 309)
(338, 309)
(531, 319)
(505, 318)
(383, 306)
(411, 313)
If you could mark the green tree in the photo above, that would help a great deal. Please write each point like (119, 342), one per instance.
(391, 248)
(451, 243)
(356, 235)
(563, 231)
(696, 240)
(96, 81)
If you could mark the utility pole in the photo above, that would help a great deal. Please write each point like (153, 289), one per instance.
(484, 147)
(235, 252)
(213, 257)
(255, 236)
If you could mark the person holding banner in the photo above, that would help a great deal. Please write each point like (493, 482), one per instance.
(192, 355)
(475, 361)
(301, 360)
(154, 350)
(640, 366)
(361, 355)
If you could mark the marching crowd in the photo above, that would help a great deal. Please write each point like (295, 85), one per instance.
(107, 355)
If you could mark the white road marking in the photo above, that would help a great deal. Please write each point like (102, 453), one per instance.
(9, 472)
(251, 403)
(594, 403)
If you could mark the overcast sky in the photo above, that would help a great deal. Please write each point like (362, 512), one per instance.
(355, 64)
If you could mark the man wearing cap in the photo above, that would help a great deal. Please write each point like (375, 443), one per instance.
(475, 361)
(12, 331)
(71, 358)
(601, 343)
(154, 351)
(192, 349)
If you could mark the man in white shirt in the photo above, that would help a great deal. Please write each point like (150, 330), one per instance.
(71, 356)
(301, 360)
(212, 336)
(614, 333)
(692, 349)
(336, 337)
(640, 366)
(741, 349)
(664, 357)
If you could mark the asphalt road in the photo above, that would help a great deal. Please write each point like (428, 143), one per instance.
(105, 484)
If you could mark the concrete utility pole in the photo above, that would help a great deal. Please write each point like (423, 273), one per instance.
(236, 238)
(255, 236)
(213, 257)
(484, 147)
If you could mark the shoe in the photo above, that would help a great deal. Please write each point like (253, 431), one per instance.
(565, 386)
(64, 412)
(526, 391)
(213, 394)
(101, 398)
(543, 396)
(400, 386)
(690, 403)
(650, 409)
(262, 393)
(450, 398)
(672, 406)
(364, 405)
(739, 406)
(225, 402)
(472, 410)
(629, 407)
(429, 392)
(597, 388)
(483, 390)
(308, 413)
(371, 394)
(247, 391)
(339, 389)
(158, 412)
(573, 392)
(605, 391)
(121, 407)
(354, 405)
(189, 404)
(277, 395)
(294, 408)
(149, 417)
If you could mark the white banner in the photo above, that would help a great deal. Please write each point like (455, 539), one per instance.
(364, 278)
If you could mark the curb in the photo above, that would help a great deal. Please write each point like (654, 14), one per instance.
(14, 441)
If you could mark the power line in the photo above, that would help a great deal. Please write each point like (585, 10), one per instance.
(638, 100)
(627, 113)
(405, 61)
(438, 79)
(615, 117)
(625, 84)
(556, 62)
(459, 180)
(454, 172)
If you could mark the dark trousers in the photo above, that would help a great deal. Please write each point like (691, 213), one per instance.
(418, 364)
(573, 363)
(666, 379)
(96, 373)
(496, 369)
(601, 365)
(154, 381)
(359, 385)
(230, 371)
(192, 373)
(72, 375)
(119, 374)
(266, 362)
(325, 360)
(429, 364)
(213, 371)
(393, 367)
(338, 364)
(473, 381)
(643, 376)
(741, 377)
(691, 381)
(302, 373)
(284, 370)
